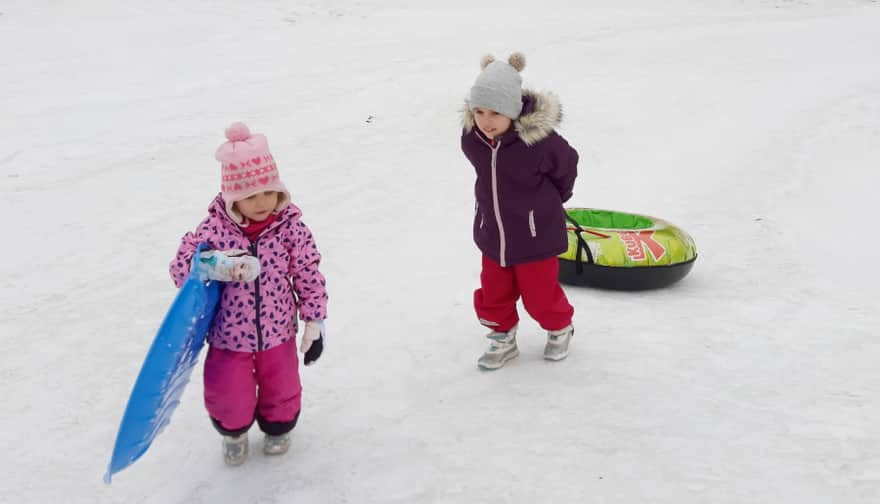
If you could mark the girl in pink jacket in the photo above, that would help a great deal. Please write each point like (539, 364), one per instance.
(268, 261)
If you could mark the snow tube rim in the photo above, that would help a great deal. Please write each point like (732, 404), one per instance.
(623, 279)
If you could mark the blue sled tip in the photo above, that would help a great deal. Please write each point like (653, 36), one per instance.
(107, 477)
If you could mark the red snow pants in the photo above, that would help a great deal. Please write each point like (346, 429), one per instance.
(243, 386)
(538, 284)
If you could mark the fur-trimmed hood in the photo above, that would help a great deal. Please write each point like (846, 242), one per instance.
(542, 114)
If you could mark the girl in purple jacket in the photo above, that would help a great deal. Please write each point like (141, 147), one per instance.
(268, 261)
(525, 171)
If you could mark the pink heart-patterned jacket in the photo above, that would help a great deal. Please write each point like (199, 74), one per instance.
(259, 315)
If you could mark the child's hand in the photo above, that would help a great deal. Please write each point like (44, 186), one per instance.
(312, 344)
(228, 266)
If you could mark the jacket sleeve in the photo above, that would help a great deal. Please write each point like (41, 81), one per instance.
(182, 263)
(308, 282)
(562, 166)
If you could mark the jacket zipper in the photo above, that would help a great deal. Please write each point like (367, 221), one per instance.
(532, 223)
(257, 301)
(502, 243)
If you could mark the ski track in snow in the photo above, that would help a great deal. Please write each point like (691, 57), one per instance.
(752, 124)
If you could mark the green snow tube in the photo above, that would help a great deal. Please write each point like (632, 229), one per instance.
(622, 251)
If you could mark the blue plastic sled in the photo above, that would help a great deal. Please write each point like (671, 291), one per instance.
(166, 370)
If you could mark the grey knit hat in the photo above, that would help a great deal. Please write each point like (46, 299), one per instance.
(499, 85)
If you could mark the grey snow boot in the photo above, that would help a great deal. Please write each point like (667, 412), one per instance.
(235, 449)
(557, 343)
(502, 348)
(276, 445)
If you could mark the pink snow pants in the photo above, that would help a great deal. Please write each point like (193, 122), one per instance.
(538, 284)
(243, 386)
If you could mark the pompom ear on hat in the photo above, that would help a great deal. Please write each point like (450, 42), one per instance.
(499, 85)
(247, 168)
(517, 60)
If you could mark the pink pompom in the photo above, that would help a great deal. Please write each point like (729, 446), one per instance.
(237, 132)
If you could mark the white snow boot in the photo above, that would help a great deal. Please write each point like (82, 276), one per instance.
(557, 343)
(502, 348)
(276, 445)
(235, 449)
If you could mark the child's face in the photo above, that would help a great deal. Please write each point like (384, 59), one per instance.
(491, 123)
(258, 207)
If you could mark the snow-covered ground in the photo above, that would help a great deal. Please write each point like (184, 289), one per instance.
(752, 124)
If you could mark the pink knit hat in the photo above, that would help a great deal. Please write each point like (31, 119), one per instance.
(248, 168)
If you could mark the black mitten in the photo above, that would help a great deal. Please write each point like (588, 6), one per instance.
(314, 351)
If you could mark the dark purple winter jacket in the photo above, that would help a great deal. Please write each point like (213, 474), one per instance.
(521, 183)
